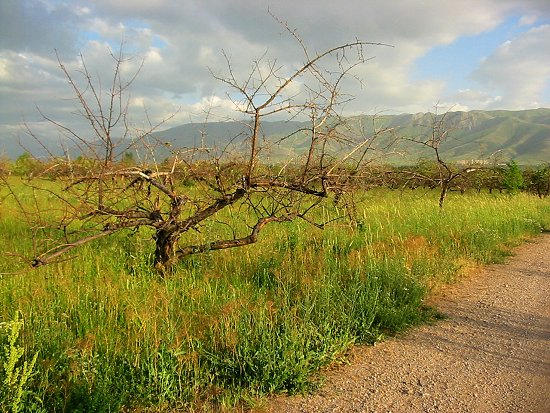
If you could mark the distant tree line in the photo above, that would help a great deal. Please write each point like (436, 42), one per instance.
(507, 177)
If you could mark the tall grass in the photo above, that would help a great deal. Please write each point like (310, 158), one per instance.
(233, 325)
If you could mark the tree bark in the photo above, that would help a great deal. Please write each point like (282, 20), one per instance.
(443, 194)
(165, 242)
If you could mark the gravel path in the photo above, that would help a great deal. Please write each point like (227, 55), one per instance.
(491, 355)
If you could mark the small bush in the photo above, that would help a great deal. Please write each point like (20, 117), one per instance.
(13, 388)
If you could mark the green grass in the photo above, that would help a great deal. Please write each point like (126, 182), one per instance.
(231, 326)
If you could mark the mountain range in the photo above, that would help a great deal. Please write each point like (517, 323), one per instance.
(523, 136)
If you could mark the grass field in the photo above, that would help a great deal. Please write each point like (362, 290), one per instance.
(230, 326)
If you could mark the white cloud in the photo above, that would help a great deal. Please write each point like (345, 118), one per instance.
(469, 99)
(519, 70)
(180, 40)
(528, 20)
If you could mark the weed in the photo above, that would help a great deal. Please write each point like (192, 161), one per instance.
(14, 386)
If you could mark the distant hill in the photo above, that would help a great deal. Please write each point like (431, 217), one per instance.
(520, 135)
(13, 145)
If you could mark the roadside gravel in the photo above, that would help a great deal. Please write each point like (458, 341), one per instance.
(492, 354)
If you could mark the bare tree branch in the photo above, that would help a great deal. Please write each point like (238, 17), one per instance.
(227, 185)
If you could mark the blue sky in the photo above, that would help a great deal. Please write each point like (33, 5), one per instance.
(472, 54)
(454, 62)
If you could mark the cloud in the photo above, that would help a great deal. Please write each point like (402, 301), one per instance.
(527, 20)
(469, 99)
(518, 70)
(181, 41)
(35, 27)
(27, 80)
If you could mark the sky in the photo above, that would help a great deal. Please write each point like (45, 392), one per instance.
(459, 54)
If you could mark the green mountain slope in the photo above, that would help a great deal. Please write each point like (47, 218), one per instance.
(520, 135)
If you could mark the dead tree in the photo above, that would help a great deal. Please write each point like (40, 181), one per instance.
(235, 189)
(434, 134)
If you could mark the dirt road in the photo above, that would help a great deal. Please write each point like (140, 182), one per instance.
(492, 354)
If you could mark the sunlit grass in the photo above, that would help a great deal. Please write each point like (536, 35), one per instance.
(232, 325)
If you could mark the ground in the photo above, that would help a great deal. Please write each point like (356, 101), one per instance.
(491, 353)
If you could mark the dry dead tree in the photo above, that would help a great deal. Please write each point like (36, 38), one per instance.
(188, 191)
(433, 136)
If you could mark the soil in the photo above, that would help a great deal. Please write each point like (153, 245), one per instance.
(491, 353)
